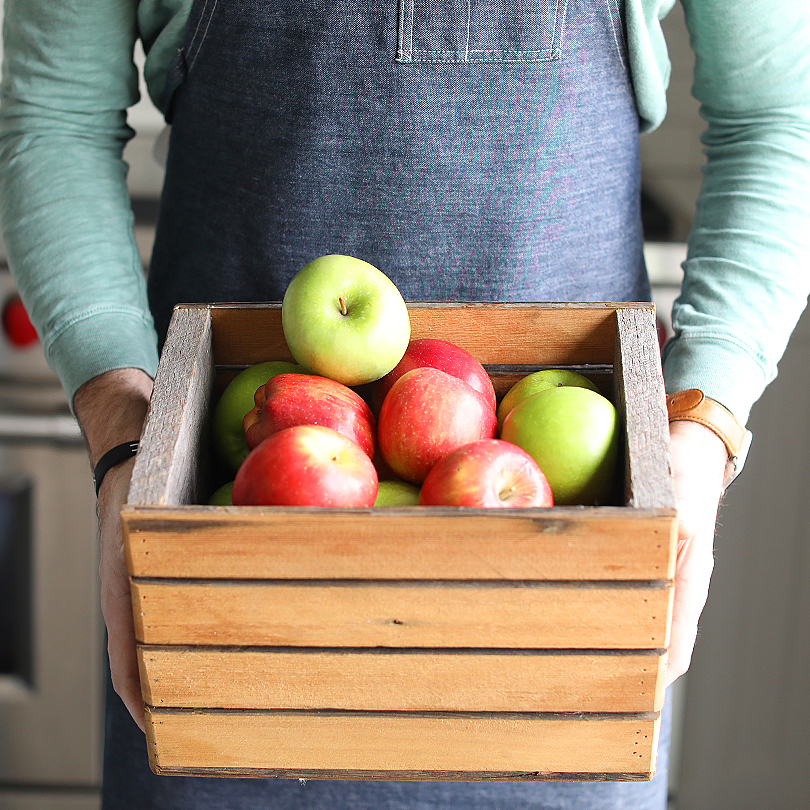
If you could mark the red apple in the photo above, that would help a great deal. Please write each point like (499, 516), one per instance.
(306, 465)
(426, 415)
(488, 473)
(442, 355)
(304, 399)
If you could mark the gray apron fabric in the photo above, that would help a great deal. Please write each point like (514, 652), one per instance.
(472, 151)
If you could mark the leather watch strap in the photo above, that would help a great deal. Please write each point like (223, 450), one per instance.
(694, 406)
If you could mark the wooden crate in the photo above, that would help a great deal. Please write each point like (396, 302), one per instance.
(411, 643)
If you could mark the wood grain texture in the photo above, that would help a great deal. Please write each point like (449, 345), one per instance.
(495, 333)
(401, 680)
(642, 400)
(286, 543)
(400, 745)
(360, 614)
(172, 460)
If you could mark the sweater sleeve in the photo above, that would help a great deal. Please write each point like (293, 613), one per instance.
(68, 79)
(747, 271)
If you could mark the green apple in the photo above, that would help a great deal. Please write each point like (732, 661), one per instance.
(236, 401)
(222, 496)
(537, 382)
(345, 319)
(396, 493)
(573, 435)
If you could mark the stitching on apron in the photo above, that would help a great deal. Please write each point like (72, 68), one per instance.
(469, 21)
(407, 53)
(610, 5)
(558, 22)
(192, 52)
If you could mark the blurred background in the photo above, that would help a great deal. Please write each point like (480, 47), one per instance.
(741, 713)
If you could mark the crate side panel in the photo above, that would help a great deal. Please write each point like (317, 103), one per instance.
(407, 680)
(495, 333)
(244, 334)
(590, 544)
(401, 615)
(400, 745)
(640, 395)
(173, 450)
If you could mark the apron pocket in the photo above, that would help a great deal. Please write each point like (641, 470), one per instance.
(479, 30)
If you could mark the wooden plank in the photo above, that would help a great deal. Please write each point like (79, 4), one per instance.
(353, 614)
(496, 333)
(285, 543)
(394, 680)
(401, 746)
(172, 461)
(642, 400)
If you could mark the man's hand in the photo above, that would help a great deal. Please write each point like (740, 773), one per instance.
(111, 409)
(699, 462)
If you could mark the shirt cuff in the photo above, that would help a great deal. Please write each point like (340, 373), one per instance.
(719, 368)
(101, 341)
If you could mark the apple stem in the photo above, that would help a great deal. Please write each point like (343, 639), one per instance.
(344, 310)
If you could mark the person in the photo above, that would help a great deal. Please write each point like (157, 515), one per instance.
(469, 150)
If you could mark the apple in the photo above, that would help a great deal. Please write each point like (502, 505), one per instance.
(426, 415)
(345, 319)
(222, 496)
(306, 399)
(235, 402)
(393, 492)
(490, 473)
(306, 465)
(572, 433)
(540, 381)
(439, 354)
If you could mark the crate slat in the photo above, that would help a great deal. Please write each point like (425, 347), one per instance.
(401, 746)
(528, 334)
(287, 543)
(401, 680)
(355, 614)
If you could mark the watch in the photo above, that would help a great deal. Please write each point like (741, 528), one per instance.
(693, 405)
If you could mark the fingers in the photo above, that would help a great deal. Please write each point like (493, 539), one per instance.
(699, 461)
(116, 606)
(116, 601)
(695, 562)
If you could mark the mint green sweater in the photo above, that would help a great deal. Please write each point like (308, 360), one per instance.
(69, 77)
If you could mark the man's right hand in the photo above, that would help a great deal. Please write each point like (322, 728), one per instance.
(111, 409)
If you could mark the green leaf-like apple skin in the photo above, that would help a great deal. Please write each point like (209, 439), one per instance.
(223, 496)
(236, 401)
(540, 381)
(396, 493)
(573, 435)
(345, 319)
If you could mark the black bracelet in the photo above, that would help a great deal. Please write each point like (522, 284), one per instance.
(112, 457)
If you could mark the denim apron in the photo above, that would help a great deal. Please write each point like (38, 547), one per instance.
(483, 150)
